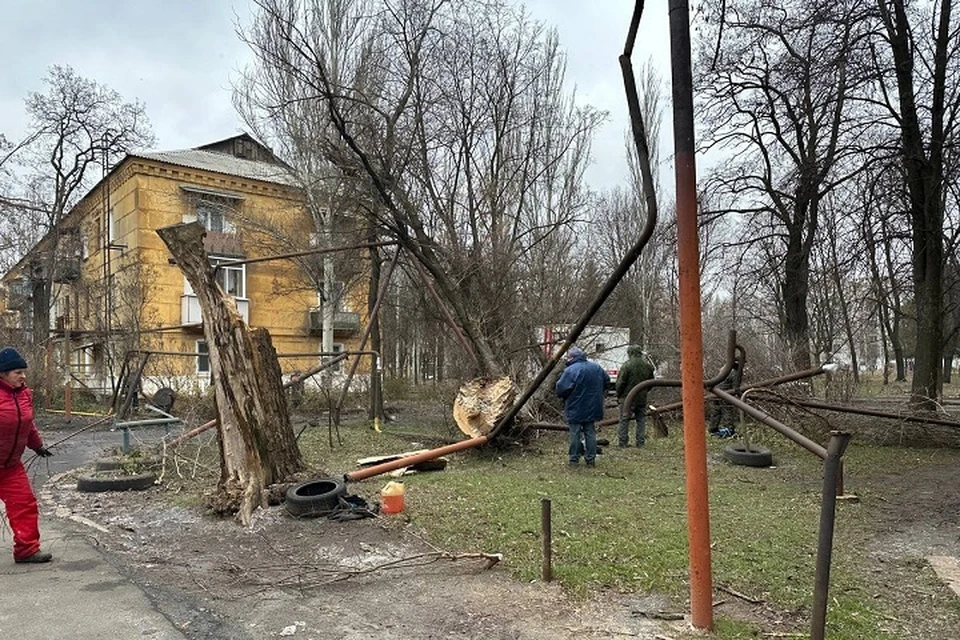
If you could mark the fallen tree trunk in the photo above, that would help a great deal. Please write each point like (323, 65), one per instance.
(257, 444)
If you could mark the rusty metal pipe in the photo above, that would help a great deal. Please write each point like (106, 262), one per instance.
(691, 330)
(386, 467)
(828, 506)
(826, 406)
(771, 382)
(772, 422)
(732, 349)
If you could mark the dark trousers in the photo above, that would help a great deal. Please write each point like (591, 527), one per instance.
(721, 412)
(588, 432)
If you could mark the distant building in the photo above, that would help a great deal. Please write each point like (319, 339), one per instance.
(607, 346)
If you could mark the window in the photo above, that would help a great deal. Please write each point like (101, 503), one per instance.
(112, 225)
(211, 211)
(203, 357)
(233, 280)
(337, 349)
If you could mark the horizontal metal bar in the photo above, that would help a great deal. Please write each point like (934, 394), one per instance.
(144, 423)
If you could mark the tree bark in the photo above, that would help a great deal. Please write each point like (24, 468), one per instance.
(257, 443)
(923, 168)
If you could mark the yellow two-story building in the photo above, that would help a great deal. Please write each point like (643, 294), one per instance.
(104, 283)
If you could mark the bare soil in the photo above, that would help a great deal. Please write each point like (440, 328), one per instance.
(318, 578)
(308, 578)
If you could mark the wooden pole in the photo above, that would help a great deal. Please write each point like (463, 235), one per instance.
(546, 530)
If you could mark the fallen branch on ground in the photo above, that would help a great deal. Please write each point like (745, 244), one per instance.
(739, 595)
(308, 576)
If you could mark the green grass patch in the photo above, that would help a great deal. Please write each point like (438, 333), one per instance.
(622, 525)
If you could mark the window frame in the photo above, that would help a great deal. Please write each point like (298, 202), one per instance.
(202, 353)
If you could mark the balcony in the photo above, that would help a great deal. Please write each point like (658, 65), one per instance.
(19, 294)
(190, 310)
(345, 323)
(223, 243)
(66, 270)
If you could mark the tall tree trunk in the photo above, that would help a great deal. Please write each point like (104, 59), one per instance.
(844, 309)
(257, 444)
(923, 167)
(795, 290)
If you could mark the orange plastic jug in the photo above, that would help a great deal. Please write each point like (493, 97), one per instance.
(391, 498)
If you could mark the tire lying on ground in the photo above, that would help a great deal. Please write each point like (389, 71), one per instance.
(98, 483)
(755, 457)
(317, 497)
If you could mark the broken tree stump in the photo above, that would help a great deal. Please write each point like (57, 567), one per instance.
(257, 444)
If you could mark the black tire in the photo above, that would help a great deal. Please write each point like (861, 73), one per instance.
(317, 497)
(755, 457)
(96, 484)
(164, 398)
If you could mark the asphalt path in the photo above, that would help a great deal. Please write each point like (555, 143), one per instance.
(79, 449)
(81, 595)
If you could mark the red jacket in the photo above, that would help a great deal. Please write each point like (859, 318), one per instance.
(17, 430)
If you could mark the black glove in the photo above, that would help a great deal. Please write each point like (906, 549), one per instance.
(43, 452)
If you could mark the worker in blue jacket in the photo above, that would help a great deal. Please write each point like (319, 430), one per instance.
(582, 386)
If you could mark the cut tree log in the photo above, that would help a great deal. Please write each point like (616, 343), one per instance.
(257, 443)
(481, 402)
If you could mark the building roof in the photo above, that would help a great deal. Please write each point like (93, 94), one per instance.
(223, 163)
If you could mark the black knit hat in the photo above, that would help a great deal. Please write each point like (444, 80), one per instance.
(11, 360)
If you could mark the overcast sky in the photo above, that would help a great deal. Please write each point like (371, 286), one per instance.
(179, 57)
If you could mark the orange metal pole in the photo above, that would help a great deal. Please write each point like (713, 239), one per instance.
(691, 338)
(375, 470)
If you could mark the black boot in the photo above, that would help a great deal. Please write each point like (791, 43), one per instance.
(36, 558)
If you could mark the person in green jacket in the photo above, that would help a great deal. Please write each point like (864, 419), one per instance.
(632, 372)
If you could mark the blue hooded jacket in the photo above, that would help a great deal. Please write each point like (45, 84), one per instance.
(582, 387)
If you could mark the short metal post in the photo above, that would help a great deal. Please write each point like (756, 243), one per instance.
(547, 539)
(831, 474)
(126, 440)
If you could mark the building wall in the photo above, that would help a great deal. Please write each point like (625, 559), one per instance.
(145, 290)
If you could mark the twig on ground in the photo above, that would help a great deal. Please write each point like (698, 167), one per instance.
(307, 576)
(605, 632)
(739, 595)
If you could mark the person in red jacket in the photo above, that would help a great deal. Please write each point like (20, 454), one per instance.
(17, 432)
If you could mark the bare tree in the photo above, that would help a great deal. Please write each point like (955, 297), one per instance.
(924, 105)
(455, 122)
(776, 94)
(76, 126)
